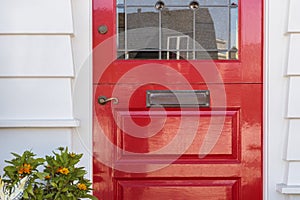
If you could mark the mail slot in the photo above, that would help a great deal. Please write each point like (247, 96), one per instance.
(178, 98)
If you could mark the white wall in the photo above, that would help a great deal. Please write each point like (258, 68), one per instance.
(282, 124)
(37, 76)
(82, 84)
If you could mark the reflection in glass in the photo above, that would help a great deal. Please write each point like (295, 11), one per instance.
(234, 45)
(176, 2)
(176, 31)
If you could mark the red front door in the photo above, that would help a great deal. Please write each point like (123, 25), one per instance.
(177, 99)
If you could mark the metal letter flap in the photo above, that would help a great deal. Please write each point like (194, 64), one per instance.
(178, 98)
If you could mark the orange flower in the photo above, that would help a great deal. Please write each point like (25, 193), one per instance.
(21, 171)
(47, 177)
(81, 186)
(58, 170)
(63, 170)
(27, 168)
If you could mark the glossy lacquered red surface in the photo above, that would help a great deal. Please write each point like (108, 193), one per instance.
(230, 170)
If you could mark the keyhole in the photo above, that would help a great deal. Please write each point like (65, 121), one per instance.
(194, 5)
(159, 5)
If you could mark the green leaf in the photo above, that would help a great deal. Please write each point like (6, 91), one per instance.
(41, 175)
(49, 195)
(40, 160)
(70, 195)
(55, 163)
(16, 155)
(10, 169)
(8, 161)
(25, 195)
(90, 197)
(30, 189)
(65, 189)
(57, 195)
(54, 184)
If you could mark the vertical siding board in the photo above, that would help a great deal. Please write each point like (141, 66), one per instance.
(35, 16)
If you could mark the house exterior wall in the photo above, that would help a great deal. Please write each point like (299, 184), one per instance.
(285, 47)
(45, 77)
(46, 85)
(275, 91)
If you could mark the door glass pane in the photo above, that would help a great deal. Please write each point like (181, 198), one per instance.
(234, 40)
(175, 2)
(173, 29)
(177, 32)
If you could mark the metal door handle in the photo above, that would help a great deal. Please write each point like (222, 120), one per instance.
(103, 100)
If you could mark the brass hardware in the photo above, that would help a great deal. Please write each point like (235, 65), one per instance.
(159, 5)
(194, 5)
(102, 100)
(102, 29)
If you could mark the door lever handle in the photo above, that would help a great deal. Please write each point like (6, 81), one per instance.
(103, 100)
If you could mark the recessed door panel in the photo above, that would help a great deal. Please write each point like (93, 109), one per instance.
(212, 189)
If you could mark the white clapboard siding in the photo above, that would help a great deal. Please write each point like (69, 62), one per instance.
(36, 55)
(290, 190)
(293, 58)
(35, 16)
(35, 98)
(294, 16)
(37, 123)
(294, 98)
(293, 152)
(293, 175)
(291, 183)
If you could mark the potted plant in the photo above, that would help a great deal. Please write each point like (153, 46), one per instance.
(55, 177)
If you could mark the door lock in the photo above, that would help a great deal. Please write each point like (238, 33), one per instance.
(102, 29)
(102, 100)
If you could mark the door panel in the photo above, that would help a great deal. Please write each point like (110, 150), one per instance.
(226, 145)
(236, 154)
(212, 189)
(143, 152)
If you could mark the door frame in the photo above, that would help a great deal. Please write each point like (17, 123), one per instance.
(82, 46)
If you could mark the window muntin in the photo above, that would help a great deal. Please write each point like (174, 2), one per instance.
(176, 31)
